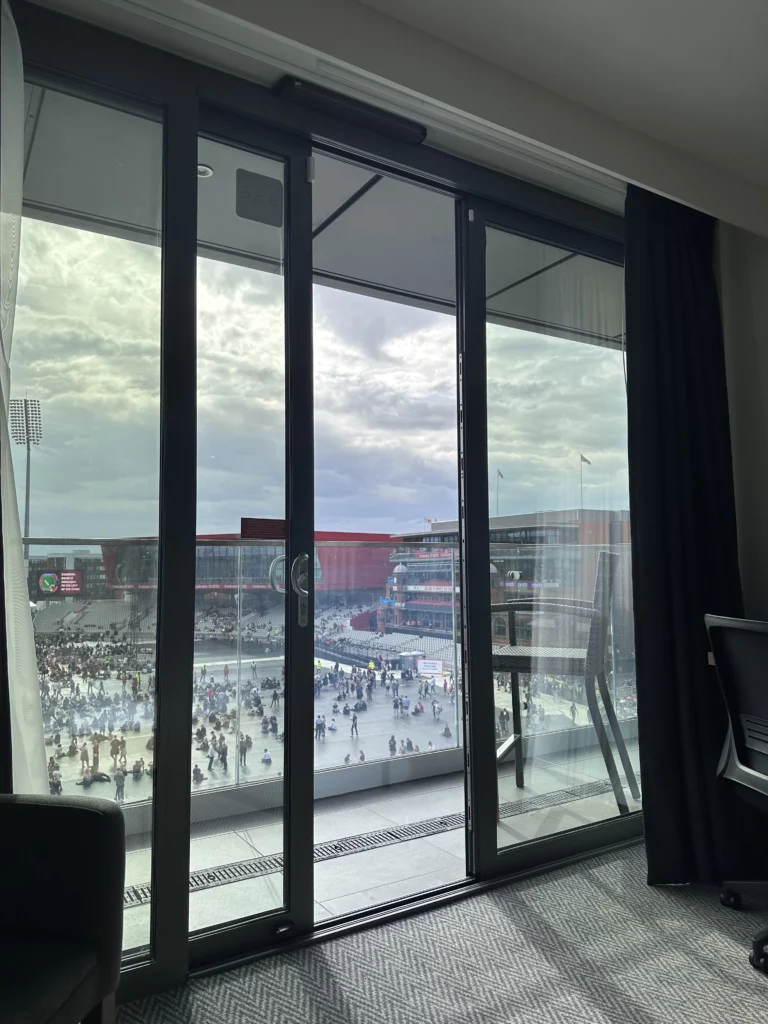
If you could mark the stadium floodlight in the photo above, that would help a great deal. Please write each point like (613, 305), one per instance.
(26, 428)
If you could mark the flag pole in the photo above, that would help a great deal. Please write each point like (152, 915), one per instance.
(581, 481)
(497, 494)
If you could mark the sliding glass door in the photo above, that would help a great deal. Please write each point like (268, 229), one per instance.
(251, 781)
(558, 725)
(389, 813)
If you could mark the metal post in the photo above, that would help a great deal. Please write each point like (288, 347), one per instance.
(456, 712)
(581, 483)
(26, 494)
(613, 649)
(239, 657)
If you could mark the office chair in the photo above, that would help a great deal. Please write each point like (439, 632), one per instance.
(740, 649)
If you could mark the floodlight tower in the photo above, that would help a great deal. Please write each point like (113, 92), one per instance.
(26, 429)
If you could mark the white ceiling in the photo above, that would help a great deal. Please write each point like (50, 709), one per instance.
(691, 73)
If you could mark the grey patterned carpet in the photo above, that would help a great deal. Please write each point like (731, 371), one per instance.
(588, 944)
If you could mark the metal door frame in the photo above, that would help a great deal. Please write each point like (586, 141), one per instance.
(296, 918)
(474, 216)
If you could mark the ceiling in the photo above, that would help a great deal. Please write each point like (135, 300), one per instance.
(691, 73)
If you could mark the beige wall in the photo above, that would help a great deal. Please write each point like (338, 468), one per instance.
(744, 287)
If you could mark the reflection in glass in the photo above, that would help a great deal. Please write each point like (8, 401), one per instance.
(560, 575)
(86, 372)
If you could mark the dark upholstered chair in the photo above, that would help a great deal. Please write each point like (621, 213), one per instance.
(62, 869)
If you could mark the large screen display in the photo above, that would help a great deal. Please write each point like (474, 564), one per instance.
(64, 583)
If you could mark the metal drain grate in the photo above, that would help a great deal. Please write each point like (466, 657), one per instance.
(387, 837)
(139, 895)
(560, 796)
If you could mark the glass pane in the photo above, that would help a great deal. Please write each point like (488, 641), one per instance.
(85, 421)
(388, 731)
(239, 676)
(559, 530)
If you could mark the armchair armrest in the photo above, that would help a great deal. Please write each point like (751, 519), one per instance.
(62, 872)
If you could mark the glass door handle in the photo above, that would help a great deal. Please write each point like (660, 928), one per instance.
(299, 582)
(276, 563)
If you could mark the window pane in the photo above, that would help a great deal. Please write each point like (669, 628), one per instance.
(386, 597)
(239, 678)
(86, 373)
(560, 553)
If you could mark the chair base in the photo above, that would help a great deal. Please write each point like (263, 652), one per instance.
(104, 1013)
(731, 897)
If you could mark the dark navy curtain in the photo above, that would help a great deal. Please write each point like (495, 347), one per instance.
(684, 546)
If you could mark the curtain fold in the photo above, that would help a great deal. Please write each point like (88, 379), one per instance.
(23, 696)
(684, 543)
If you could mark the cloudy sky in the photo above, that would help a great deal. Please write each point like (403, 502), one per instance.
(86, 345)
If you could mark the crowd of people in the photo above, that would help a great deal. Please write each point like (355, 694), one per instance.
(219, 711)
(84, 718)
(98, 706)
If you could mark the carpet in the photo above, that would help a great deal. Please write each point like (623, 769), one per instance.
(585, 944)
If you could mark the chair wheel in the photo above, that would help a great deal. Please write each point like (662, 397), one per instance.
(731, 899)
(759, 961)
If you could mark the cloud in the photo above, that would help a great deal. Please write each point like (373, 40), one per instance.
(87, 344)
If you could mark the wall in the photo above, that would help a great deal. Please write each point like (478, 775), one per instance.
(743, 259)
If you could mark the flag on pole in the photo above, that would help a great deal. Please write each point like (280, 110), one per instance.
(585, 459)
(501, 475)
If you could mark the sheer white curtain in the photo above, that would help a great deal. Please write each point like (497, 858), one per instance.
(29, 766)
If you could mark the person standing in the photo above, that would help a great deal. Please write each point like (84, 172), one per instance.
(353, 728)
(318, 727)
(243, 750)
(226, 673)
(223, 753)
(120, 786)
(573, 713)
(123, 751)
(212, 753)
(95, 756)
(84, 756)
(114, 749)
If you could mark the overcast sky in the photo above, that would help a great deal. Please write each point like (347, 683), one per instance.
(86, 345)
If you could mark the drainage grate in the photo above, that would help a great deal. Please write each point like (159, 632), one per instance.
(560, 796)
(387, 837)
(139, 895)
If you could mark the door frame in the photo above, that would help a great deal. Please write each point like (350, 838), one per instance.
(296, 917)
(474, 217)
